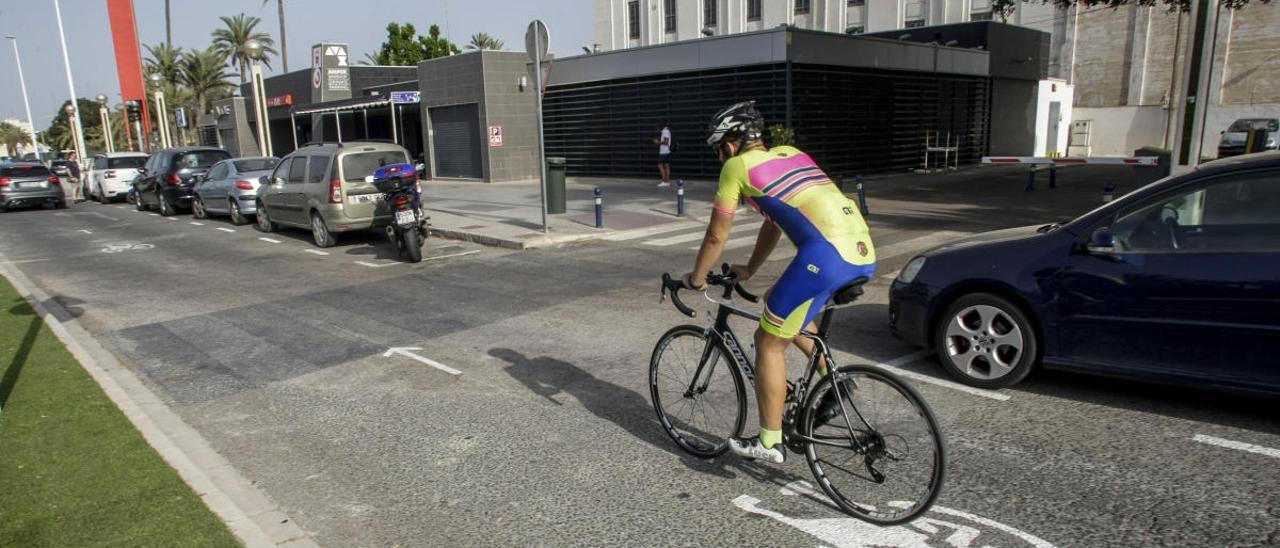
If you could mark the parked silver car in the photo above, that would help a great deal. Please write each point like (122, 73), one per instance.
(29, 184)
(111, 175)
(231, 188)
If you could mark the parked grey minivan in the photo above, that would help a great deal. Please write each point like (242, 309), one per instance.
(321, 187)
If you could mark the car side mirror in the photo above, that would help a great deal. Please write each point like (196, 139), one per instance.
(1102, 242)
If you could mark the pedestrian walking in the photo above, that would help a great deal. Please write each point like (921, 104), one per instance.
(664, 153)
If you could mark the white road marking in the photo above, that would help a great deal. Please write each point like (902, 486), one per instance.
(895, 365)
(226, 229)
(193, 223)
(172, 218)
(407, 351)
(154, 214)
(1238, 445)
(375, 265)
(85, 231)
(682, 238)
(122, 207)
(270, 240)
(316, 252)
(646, 232)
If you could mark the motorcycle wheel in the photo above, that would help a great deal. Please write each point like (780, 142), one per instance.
(411, 246)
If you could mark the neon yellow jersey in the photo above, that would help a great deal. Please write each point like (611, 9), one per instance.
(789, 189)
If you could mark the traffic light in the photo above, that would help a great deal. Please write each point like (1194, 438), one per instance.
(134, 110)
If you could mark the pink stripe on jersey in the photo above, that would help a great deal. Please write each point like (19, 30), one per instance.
(768, 172)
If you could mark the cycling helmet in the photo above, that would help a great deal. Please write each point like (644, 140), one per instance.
(740, 122)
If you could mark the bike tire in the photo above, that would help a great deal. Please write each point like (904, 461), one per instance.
(672, 366)
(843, 483)
(411, 244)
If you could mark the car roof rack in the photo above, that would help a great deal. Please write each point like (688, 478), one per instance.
(320, 144)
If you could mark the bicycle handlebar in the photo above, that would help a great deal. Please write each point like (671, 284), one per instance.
(725, 279)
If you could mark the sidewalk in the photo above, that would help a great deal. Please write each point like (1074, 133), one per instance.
(509, 215)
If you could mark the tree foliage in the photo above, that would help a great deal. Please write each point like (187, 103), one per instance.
(404, 47)
(233, 41)
(60, 136)
(11, 136)
(482, 41)
(204, 76)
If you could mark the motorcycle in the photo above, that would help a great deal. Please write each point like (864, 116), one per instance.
(398, 184)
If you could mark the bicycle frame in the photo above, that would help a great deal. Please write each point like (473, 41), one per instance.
(796, 393)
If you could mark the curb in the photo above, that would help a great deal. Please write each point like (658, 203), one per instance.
(250, 515)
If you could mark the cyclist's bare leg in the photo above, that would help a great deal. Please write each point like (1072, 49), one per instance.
(806, 345)
(771, 378)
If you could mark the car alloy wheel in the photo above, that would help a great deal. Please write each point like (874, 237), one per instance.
(264, 221)
(233, 208)
(986, 341)
(319, 232)
(197, 209)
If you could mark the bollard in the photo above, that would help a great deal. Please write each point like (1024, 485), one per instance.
(679, 197)
(1031, 179)
(862, 196)
(599, 207)
(1108, 193)
(1053, 175)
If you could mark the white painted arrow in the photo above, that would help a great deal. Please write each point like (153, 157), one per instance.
(406, 351)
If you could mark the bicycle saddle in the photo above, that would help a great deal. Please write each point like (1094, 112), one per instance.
(851, 292)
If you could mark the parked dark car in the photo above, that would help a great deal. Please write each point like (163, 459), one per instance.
(61, 168)
(166, 180)
(29, 184)
(1176, 282)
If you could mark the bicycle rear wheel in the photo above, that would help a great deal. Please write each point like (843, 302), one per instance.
(882, 457)
(697, 391)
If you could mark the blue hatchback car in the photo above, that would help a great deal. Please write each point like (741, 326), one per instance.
(1176, 282)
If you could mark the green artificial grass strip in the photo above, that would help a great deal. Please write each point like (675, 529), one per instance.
(73, 470)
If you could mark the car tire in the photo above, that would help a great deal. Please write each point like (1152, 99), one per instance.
(264, 223)
(197, 208)
(237, 218)
(320, 234)
(138, 202)
(162, 204)
(986, 341)
(60, 204)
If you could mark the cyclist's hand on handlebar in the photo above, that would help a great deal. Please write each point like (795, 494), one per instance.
(740, 272)
(688, 280)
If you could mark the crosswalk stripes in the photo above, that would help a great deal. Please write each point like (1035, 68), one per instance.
(696, 235)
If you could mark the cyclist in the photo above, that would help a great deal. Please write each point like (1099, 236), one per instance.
(833, 247)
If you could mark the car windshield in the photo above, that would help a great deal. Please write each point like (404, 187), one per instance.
(256, 164)
(1241, 126)
(127, 162)
(24, 171)
(357, 166)
(199, 159)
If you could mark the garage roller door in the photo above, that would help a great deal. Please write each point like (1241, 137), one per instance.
(456, 141)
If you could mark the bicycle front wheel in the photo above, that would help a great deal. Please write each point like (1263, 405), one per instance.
(879, 455)
(697, 391)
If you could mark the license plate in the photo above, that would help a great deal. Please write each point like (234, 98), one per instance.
(41, 184)
(405, 217)
(364, 198)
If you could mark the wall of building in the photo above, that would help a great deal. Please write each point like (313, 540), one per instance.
(1013, 117)
(449, 81)
(1118, 131)
(1047, 92)
(508, 106)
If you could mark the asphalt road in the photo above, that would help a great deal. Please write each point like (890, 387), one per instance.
(546, 435)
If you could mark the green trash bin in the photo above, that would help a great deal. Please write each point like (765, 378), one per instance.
(555, 185)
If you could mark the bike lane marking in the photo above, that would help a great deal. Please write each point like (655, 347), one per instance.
(895, 365)
(270, 240)
(193, 223)
(226, 229)
(408, 352)
(850, 532)
(1237, 445)
(316, 252)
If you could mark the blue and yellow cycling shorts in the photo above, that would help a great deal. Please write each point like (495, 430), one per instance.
(807, 285)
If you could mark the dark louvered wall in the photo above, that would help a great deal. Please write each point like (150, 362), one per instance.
(850, 120)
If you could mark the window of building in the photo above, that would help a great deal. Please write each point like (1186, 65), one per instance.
(633, 19)
(857, 3)
(709, 13)
(753, 10)
(980, 10)
(980, 16)
(856, 29)
(914, 13)
(802, 6)
(915, 23)
(669, 15)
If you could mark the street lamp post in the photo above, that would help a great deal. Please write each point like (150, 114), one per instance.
(162, 116)
(25, 103)
(259, 98)
(71, 86)
(105, 114)
(74, 121)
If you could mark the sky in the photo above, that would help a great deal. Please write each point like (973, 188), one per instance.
(359, 23)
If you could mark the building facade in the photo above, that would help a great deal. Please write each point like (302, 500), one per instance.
(1123, 64)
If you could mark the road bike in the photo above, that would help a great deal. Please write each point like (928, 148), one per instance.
(880, 458)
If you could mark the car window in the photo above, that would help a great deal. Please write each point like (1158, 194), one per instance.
(256, 164)
(357, 166)
(127, 162)
(1238, 212)
(297, 169)
(281, 172)
(99, 162)
(24, 171)
(199, 159)
(319, 165)
(1241, 126)
(218, 172)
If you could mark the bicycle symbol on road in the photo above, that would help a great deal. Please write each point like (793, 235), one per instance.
(120, 247)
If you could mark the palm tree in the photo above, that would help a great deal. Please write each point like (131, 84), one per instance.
(164, 61)
(203, 74)
(284, 46)
(233, 43)
(11, 136)
(482, 41)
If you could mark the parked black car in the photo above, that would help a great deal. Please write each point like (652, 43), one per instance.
(1177, 282)
(165, 182)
